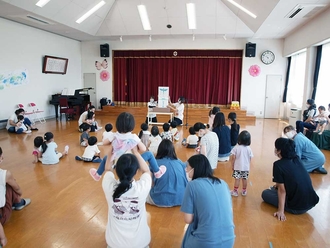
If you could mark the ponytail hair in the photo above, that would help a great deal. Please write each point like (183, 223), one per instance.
(126, 168)
(232, 116)
(47, 137)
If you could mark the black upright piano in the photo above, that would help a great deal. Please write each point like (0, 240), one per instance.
(80, 99)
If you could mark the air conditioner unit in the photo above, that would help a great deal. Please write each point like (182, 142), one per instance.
(305, 10)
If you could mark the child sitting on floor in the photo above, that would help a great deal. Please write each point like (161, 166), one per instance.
(321, 120)
(192, 139)
(49, 150)
(144, 134)
(175, 131)
(154, 140)
(92, 152)
(86, 128)
(123, 143)
(36, 153)
(20, 124)
(167, 134)
(107, 136)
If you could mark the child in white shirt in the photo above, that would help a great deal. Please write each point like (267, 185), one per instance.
(92, 152)
(175, 131)
(20, 124)
(154, 140)
(192, 139)
(144, 134)
(107, 136)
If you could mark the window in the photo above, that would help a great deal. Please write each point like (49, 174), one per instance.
(297, 79)
(322, 92)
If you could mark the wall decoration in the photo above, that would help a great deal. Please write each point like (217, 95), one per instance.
(15, 78)
(254, 70)
(104, 75)
(55, 65)
(103, 64)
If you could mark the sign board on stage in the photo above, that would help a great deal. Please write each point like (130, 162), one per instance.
(163, 95)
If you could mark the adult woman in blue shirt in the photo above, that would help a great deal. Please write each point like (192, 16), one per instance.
(207, 208)
(168, 190)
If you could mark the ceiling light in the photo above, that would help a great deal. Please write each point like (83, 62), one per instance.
(191, 14)
(91, 11)
(144, 17)
(121, 38)
(242, 8)
(42, 3)
(150, 38)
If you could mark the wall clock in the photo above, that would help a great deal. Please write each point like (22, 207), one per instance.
(267, 57)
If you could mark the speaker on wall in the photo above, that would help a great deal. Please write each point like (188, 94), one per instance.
(250, 50)
(104, 50)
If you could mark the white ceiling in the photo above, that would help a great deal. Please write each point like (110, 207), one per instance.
(215, 18)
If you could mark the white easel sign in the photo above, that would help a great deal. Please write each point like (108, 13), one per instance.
(163, 95)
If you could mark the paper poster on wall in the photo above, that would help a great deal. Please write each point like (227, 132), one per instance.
(163, 95)
(11, 79)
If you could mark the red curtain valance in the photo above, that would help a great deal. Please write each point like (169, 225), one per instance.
(177, 53)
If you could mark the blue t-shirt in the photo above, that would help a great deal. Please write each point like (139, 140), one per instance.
(211, 205)
(169, 189)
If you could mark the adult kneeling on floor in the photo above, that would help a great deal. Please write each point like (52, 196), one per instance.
(311, 156)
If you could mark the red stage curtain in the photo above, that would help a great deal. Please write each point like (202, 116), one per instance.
(201, 76)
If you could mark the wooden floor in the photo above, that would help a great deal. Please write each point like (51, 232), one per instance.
(69, 209)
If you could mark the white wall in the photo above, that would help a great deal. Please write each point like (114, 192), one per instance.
(253, 88)
(315, 31)
(24, 47)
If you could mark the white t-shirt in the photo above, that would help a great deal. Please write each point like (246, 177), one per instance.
(13, 117)
(243, 156)
(90, 151)
(127, 217)
(108, 136)
(192, 140)
(176, 133)
(211, 141)
(82, 118)
(50, 156)
(21, 126)
(154, 143)
(151, 105)
(2, 187)
(180, 109)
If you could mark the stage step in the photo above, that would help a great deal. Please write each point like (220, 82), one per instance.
(194, 114)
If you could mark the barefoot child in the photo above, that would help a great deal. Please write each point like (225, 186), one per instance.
(49, 152)
(92, 152)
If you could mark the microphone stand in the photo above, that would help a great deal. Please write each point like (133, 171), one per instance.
(187, 111)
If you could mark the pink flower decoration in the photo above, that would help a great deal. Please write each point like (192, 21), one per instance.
(104, 75)
(254, 70)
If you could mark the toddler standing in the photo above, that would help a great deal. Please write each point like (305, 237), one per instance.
(241, 159)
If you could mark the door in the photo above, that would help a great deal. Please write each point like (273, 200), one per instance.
(273, 96)
(90, 82)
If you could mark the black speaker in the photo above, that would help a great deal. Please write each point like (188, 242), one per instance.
(250, 50)
(104, 50)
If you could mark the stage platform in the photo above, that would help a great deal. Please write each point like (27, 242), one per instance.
(194, 114)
